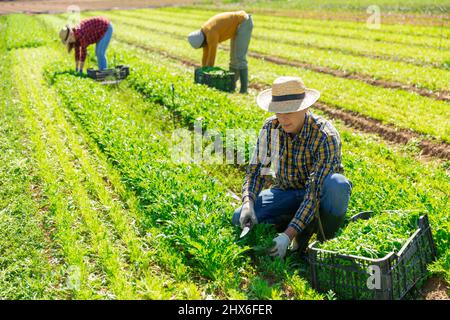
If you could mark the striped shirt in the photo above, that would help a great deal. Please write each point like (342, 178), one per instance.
(88, 31)
(299, 162)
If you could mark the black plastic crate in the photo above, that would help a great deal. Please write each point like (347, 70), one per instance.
(118, 73)
(223, 81)
(348, 275)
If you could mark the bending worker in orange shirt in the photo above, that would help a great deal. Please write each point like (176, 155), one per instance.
(236, 26)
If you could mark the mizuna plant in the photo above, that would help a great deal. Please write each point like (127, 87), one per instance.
(374, 238)
(106, 211)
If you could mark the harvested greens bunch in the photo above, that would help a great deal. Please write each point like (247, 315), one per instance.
(376, 237)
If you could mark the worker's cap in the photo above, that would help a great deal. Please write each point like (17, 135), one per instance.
(196, 38)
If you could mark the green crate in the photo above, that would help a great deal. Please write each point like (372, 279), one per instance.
(215, 77)
(347, 275)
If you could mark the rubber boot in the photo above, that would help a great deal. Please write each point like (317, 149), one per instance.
(236, 75)
(331, 225)
(243, 74)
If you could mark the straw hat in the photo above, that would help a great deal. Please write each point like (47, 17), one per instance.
(288, 94)
(64, 36)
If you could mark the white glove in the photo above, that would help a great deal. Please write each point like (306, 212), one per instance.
(248, 216)
(281, 244)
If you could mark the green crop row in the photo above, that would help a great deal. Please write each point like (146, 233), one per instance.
(409, 74)
(90, 233)
(187, 94)
(409, 6)
(128, 135)
(386, 30)
(388, 105)
(189, 207)
(358, 47)
(384, 179)
(24, 260)
(77, 214)
(20, 33)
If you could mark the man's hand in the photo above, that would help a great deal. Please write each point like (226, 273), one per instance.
(248, 216)
(281, 244)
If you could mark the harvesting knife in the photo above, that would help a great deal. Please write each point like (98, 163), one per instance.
(245, 230)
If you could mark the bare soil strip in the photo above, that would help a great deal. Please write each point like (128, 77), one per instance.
(340, 50)
(429, 147)
(59, 6)
(359, 54)
(438, 95)
(436, 288)
(438, 149)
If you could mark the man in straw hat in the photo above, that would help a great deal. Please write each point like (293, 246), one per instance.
(236, 26)
(305, 151)
(96, 30)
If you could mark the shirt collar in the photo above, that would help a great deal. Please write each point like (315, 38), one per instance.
(305, 129)
(303, 134)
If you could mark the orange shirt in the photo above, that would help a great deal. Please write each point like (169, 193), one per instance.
(218, 28)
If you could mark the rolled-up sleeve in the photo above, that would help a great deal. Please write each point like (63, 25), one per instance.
(261, 160)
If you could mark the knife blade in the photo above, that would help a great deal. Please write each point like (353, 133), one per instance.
(244, 231)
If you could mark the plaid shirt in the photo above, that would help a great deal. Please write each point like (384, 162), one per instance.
(301, 162)
(89, 31)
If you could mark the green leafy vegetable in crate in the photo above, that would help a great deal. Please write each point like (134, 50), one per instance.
(216, 77)
(215, 71)
(374, 238)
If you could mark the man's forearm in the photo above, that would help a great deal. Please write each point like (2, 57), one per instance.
(253, 184)
(246, 199)
(291, 232)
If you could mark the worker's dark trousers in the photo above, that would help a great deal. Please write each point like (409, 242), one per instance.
(239, 45)
(278, 207)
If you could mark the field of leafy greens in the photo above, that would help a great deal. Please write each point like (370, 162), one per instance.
(94, 207)
(391, 106)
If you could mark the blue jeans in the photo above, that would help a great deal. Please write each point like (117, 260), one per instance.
(100, 48)
(277, 206)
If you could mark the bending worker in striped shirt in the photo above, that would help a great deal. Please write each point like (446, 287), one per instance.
(305, 152)
(236, 26)
(96, 30)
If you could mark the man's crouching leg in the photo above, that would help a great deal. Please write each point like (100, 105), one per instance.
(272, 205)
(333, 207)
(334, 201)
